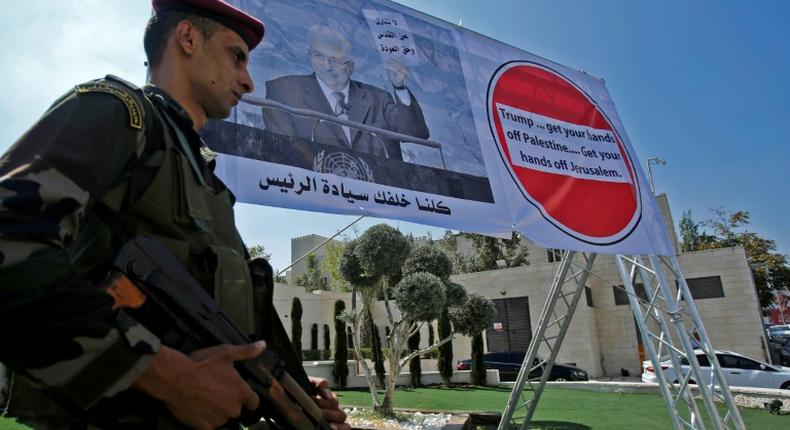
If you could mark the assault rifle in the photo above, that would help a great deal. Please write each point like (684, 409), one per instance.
(154, 287)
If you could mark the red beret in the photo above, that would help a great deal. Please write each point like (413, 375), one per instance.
(247, 26)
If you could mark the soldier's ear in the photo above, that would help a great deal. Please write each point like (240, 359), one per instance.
(351, 66)
(187, 37)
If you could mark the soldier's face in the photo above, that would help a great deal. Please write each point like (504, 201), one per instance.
(221, 75)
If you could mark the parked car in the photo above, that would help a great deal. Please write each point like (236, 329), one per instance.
(784, 354)
(739, 370)
(509, 363)
(779, 333)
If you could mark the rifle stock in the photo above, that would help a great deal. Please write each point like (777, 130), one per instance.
(156, 289)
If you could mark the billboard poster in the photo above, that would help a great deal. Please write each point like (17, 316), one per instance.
(369, 107)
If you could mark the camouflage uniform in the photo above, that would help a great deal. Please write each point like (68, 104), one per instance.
(68, 199)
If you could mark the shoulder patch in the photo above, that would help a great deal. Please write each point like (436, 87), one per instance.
(135, 111)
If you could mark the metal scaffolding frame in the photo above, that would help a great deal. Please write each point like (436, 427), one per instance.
(670, 327)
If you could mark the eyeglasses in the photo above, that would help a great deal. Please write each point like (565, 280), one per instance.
(332, 61)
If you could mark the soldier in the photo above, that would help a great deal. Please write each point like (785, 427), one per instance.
(109, 161)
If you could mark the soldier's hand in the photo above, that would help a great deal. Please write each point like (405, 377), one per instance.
(204, 390)
(327, 401)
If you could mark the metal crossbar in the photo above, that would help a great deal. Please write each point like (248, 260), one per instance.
(322, 117)
(666, 329)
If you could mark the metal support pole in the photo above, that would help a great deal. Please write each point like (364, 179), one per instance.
(651, 352)
(665, 339)
(705, 344)
(549, 318)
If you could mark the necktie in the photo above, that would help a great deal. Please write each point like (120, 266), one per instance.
(340, 102)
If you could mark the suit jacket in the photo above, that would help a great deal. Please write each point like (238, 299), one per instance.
(368, 105)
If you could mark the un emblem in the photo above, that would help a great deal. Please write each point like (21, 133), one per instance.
(342, 164)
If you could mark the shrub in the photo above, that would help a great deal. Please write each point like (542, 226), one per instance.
(415, 368)
(381, 251)
(296, 326)
(429, 259)
(456, 294)
(478, 361)
(445, 362)
(327, 338)
(314, 336)
(474, 316)
(421, 296)
(340, 369)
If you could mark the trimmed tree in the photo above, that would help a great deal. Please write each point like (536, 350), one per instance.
(380, 263)
(478, 361)
(415, 367)
(312, 280)
(327, 338)
(445, 361)
(296, 326)
(314, 337)
(340, 369)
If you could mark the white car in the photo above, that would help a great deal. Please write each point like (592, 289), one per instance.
(739, 370)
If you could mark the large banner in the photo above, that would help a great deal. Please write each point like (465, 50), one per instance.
(369, 107)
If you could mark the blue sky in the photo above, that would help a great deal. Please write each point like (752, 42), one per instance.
(702, 85)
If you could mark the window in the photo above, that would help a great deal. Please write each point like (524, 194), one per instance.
(749, 364)
(588, 296)
(621, 296)
(708, 287)
(554, 255)
(701, 359)
(729, 361)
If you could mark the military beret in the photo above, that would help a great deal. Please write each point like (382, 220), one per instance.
(247, 26)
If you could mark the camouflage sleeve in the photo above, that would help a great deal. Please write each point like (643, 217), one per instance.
(56, 326)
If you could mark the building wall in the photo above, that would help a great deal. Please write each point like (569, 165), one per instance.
(603, 339)
(534, 281)
(317, 307)
(301, 246)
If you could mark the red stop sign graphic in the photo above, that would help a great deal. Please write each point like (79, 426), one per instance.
(600, 208)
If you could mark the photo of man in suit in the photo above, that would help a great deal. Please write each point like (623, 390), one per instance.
(330, 90)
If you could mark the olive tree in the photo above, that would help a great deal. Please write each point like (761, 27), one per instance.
(381, 263)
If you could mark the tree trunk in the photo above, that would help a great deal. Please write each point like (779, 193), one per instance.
(394, 346)
(355, 331)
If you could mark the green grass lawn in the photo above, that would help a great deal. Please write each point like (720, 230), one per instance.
(559, 408)
(9, 424)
